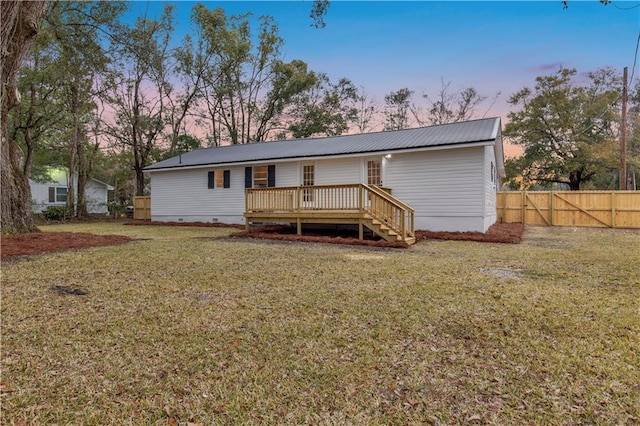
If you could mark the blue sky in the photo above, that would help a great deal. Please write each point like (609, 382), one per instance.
(493, 46)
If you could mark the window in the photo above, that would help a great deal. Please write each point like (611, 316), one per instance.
(308, 175)
(374, 172)
(260, 176)
(57, 194)
(308, 172)
(219, 179)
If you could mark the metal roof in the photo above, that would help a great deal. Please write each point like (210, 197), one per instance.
(485, 130)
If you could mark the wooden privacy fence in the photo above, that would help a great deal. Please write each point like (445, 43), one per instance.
(142, 208)
(613, 209)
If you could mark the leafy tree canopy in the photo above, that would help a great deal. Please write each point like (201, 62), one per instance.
(565, 124)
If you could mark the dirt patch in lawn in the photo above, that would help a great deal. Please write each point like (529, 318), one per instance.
(45, 242)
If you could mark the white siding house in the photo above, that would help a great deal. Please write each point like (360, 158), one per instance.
(54, 193)
(447, 173)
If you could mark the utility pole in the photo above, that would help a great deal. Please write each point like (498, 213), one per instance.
(623, 134)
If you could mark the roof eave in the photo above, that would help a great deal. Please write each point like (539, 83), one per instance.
(151, 169)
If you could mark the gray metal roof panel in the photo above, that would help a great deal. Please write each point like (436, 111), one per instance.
(482, 130)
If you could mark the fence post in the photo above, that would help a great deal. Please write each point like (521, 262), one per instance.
(552, 207)
(613, 209)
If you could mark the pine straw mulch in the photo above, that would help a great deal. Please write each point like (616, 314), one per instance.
(45, 242)
(510, 233)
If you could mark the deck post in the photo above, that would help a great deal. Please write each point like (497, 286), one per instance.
(360, 230)
(298, 226)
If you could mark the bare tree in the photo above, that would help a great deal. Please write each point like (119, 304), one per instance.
(398, 105)
(366, 111)
(139, 90)
(449, 106)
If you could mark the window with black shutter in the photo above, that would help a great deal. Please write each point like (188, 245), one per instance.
(248, 177)
(226, 180)
(271, 176)
(260, 176)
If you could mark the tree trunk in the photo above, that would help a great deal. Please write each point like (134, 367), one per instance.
(83, 177)
(574, 180)
(18, 31)
(77, 204)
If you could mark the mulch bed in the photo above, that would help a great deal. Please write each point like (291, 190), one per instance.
(288, 233)
(45, 242)
(508, 233)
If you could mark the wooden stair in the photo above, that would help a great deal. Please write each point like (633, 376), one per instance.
(385, 232)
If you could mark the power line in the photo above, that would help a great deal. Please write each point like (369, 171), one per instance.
(625, 8)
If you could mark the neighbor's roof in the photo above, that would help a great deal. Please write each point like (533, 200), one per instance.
(468, 132)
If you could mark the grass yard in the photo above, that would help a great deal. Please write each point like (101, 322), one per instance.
(186, 327)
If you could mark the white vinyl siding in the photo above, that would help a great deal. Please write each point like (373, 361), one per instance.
(96, 196)
(491, 185)
(184, 193)
(287, 174)
(339, 171)
(439, 183)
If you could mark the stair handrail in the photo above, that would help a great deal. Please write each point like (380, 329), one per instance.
(393, 200)
(407, 211)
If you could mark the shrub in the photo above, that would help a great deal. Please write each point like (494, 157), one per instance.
(55, 213)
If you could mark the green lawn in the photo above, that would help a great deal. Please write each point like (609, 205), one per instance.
(184, 327)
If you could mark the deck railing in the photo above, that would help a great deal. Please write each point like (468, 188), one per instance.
(389, 210)
(357, 198)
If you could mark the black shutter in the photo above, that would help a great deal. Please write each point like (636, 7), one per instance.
(52, 194)
(211, 180)
(271, 176)
(226, 177)
(248, 177)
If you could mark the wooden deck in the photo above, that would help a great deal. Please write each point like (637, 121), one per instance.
(354, 204)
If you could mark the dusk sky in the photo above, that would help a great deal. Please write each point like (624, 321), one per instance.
(493, 46)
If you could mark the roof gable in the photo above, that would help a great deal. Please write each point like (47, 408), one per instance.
(468, 132)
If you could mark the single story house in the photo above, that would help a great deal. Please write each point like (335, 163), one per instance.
(54, 192)
(443, 177)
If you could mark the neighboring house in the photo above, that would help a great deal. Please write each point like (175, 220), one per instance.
(54, 193)
(448, 174)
